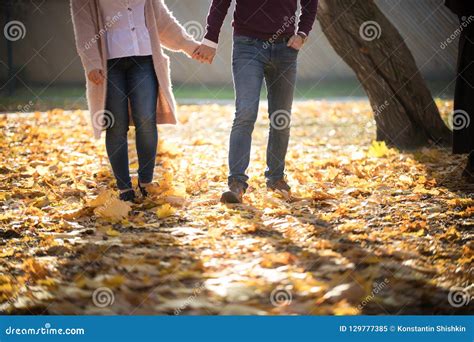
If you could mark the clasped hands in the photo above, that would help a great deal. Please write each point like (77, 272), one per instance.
(206, 54)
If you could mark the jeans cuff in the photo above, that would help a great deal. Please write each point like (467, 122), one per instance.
(145, 180)
(122, 187)
(273, 179)
(242, 180)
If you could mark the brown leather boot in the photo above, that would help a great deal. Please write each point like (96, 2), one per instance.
(235, 193)
(279, 185)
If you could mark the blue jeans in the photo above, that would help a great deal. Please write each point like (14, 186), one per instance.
(132, 79)
(254, 61)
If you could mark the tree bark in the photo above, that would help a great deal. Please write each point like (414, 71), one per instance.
(405, 113)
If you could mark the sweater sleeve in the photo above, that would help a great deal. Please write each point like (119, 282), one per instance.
(173, 36)
(309, 9)
(215, 19)
(87, 39)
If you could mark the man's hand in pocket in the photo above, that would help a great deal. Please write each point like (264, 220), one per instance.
(296, 42)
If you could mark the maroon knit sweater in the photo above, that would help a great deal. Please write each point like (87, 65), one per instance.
(262, 19)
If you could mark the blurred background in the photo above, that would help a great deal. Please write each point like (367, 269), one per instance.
(42, 67)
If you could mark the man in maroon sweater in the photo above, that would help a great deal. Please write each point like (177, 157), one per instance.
(463, 116)
(267, 38)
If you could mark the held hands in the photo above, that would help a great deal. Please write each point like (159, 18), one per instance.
(204, 54)
(96, 76)
(296, 42)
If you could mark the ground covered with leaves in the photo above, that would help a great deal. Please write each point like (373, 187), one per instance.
(367, 230)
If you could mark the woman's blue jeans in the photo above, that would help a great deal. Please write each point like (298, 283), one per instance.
(132, 80)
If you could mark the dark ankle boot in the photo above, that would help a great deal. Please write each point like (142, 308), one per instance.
(142, 190)
(279, 185)
(128, 196)
(235, 193)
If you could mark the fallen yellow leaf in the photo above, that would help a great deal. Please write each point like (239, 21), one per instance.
(165, 210)
(114, 210)
(112, 233)
(378, 149)
(102, 199)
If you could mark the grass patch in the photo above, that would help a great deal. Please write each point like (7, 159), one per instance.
(73, 97)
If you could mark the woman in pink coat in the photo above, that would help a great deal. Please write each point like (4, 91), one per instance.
(128, 78)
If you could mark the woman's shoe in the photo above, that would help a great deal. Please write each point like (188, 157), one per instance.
(127, 196)
(143, 190)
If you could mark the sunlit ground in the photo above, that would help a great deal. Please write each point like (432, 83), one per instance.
(369, 230)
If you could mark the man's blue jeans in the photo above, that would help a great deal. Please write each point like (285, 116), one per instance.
(132, 79)
(254, 61)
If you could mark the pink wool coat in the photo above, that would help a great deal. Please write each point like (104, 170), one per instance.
(165, 31)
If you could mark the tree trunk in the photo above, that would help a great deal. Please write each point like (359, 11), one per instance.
(405, 112)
